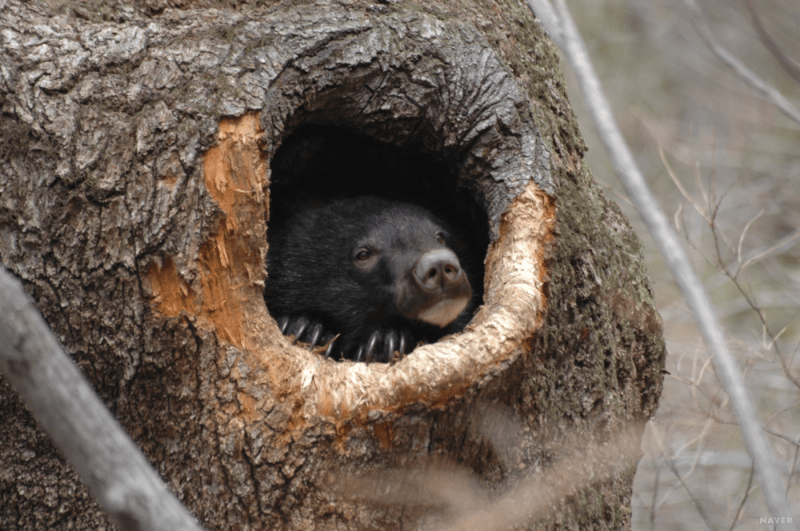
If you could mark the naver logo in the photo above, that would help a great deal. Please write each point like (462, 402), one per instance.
(775, 520)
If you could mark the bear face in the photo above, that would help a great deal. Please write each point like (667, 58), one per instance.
(367, 276)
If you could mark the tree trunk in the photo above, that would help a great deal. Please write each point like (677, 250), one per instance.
(139, 161)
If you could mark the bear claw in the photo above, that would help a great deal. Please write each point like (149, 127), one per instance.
(307, 331)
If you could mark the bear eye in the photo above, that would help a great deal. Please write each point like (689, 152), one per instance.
(363, 255)
(440, 237)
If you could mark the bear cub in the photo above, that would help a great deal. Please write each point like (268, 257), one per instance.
(369, 277)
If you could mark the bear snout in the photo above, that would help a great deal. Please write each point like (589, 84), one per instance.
(438, 290)
(437, 269)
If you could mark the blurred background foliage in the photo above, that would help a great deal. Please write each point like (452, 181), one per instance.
(688, 117)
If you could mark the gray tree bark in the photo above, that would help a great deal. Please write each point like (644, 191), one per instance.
(135, 191)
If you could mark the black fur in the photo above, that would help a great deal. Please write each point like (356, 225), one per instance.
(364, 270)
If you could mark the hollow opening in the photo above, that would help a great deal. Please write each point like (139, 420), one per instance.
(318, 164)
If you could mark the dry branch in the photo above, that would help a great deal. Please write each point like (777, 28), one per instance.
(67, 408)
(733, 62)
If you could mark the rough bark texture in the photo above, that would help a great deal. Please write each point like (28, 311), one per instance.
(134, 197)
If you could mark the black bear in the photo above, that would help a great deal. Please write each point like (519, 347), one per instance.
(367, 276)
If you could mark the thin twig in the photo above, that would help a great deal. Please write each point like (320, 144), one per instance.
(782, 436)
(744, 498)
(744, 232)
(695, 499)
(770, 92)
(773, 338)
(684, 192)
(790, 65)
(794, 466)
(764, 254)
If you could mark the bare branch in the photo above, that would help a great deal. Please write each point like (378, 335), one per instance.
(782, 436)
(766, 253)
(791, 470)
(696, 500)
(67, 409)
(692, 289)
(698, 208)
(744, 498)
(770, 92)
(790, 65)
(744, 233)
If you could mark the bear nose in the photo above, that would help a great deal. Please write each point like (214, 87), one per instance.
(437, 269)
